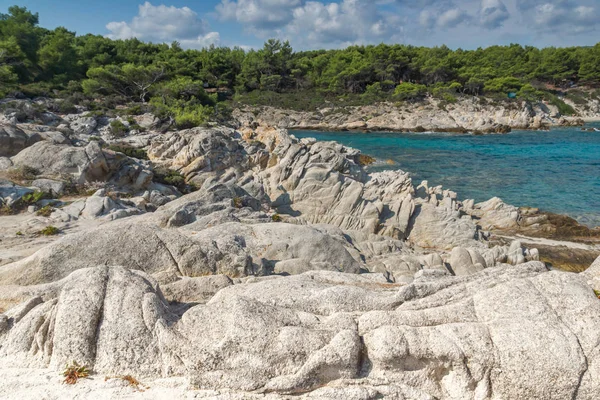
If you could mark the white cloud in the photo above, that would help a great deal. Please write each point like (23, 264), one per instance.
(165, 24)
(312, 23)
(567, 17)
(443, 18)
(493, 13)
(451, 18)
(351, 21)
(259, 15)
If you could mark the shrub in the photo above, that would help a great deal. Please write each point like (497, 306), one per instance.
(74, 372)
(276, 218)
(238, 202)
(6, 210)
(365, 160)
(34, 197)
(563, 108)
(170, 177)
(118, 129)
(45, 211)
(66, 107)
(129, 151)
(50, 231)
(134, 110)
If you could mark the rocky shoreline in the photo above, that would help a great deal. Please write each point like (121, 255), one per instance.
(242, 263)
(469, 115)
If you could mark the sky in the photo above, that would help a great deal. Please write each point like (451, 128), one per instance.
(316, 24)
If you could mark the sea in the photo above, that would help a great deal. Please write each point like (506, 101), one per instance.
(556, 170)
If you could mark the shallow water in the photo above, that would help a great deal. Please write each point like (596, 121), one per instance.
(556, 171)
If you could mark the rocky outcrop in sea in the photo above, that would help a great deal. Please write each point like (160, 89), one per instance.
(289, 271)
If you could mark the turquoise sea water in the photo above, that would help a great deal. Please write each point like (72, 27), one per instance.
(557, 171)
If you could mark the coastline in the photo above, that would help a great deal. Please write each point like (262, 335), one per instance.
(468, 115)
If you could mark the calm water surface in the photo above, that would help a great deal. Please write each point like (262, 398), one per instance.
(557, 171)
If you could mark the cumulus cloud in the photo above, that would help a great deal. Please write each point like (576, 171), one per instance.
(165, 24)
(452, 18)
(570, 17)
(443, 16)
(351, 21)
(259, 15)
(493, 13)
(312, 23)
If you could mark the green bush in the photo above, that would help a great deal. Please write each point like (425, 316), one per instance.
(563, 108)
(34, 197)
(134, 110)
(50, 231)
(170, 177)
(45, 211)
(66, 107)
(118, 129)
(410, 91)
(129, 150)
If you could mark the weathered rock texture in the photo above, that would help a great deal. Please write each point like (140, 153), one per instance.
(467, 115)
(507, 332)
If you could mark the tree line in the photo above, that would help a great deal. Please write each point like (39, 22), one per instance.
(38, 61)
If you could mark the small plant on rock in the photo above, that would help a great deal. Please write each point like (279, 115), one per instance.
(365, 160)
(276, 218)
(6, 210)
(45, 211)
(170, 177)
(74, 372)
(238, 202)
(597, 293)
(129, 151)
(50, 231)
(34, 197)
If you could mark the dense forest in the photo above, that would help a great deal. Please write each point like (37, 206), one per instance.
(187, 85)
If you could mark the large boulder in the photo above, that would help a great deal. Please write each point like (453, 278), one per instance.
(85, 164)
(285, 248)
(160, 252)
(13, 140)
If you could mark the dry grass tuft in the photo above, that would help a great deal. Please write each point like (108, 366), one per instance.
(130, 380)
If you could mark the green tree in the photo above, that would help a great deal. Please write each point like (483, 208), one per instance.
(58, 56)
(589, 70)
(130, 81)
(21, 25)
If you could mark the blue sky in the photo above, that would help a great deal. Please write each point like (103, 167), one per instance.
(329, 24)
